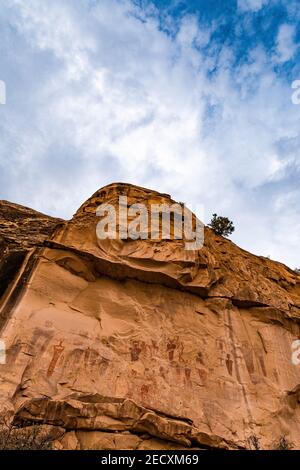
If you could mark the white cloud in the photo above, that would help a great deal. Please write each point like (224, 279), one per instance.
(110, 97)
(286, 46)
(252, 5)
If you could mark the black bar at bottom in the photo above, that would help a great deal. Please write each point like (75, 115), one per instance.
(135, 459)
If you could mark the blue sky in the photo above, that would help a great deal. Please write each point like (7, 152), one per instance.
(191, 97)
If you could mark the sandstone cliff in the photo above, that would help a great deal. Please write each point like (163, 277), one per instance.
(142, 344)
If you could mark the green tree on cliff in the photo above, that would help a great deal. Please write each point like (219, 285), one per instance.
(221, 225)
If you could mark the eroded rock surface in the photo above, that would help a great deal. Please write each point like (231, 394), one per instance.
(143, 344)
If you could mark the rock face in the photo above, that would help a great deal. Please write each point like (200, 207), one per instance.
(123, 344)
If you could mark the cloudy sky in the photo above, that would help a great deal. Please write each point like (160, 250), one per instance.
(188, 97)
